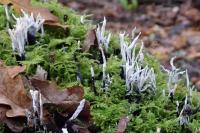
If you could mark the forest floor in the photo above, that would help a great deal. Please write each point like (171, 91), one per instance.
(66, 80)
(168, 29)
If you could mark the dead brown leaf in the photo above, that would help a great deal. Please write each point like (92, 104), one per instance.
(123, 122)
(16, 124)
(13, 96)
(14, 71)
(27, 7)
(178, 42)
(192, 14)
(3, 110)
(89, 40)
(15, 100)
(192, 56)
(50, 91)
(67, 99)
(12, 92)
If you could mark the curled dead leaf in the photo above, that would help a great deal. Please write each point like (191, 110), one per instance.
(16, 124)
(13, 95)
(3, 110)
(14, 71)
(27, 7)
(15, 100)
(67, 99)
(51, 92)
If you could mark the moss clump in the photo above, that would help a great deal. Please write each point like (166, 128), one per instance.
(61, 55)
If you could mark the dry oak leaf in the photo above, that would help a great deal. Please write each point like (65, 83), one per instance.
(15, 124)
(3, 110)
(67, 99)
(14, 71)
(13, 97)
(27, 7)
(12, 91)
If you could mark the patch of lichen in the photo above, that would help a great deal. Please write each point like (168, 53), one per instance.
(61, 55)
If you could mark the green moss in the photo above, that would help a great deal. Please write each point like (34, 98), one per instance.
(59, 53)
(6, 48)
(106, 114)
(2, 18)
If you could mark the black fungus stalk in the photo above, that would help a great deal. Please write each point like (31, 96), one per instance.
(172, 93)
(122, 72)
(171, 97)
(31, 35)
(21, 57)
(104, 85)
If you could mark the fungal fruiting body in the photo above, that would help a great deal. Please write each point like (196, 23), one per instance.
(25, 27)
(137, 76)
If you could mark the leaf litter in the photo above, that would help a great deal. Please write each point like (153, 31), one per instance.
(15, 100)
(26, 6)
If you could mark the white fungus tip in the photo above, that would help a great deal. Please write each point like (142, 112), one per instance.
(78, 110)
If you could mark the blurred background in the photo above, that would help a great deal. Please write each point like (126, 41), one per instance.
(169, 27)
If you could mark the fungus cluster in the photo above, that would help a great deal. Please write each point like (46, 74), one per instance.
(24, 32)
